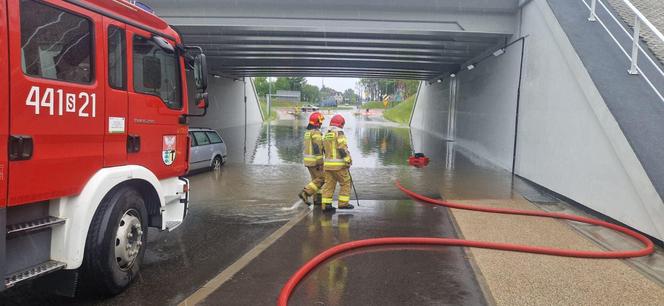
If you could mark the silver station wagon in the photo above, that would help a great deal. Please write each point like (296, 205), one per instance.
(208, 150)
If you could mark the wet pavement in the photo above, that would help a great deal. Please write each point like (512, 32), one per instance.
(254, 194)
(375, 276)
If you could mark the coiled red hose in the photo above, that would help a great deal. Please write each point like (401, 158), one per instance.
(288, 288)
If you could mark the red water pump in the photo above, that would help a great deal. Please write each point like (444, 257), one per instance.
(418, 160)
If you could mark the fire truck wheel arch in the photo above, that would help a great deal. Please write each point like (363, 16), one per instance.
(68, 241)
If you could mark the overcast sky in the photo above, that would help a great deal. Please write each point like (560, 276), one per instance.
(338, 84)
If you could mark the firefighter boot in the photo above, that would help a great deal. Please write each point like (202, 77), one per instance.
(328, 208)
(305, 197)
(346, 206)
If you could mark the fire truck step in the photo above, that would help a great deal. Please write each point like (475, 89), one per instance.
(33, 225)
(171, 225)
(32, 272)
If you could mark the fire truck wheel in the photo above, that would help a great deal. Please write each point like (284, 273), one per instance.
(116, 242)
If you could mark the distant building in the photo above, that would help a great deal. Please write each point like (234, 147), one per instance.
(329, 102)
(339, 98)
(287, 95)
(332, 100)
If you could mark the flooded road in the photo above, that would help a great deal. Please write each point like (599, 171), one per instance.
(255, 193)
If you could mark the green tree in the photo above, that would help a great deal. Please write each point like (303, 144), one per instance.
(262, 86)
(311, 93)
(350, 96)
(411, 87)
(296, 83)
(376, 89)
(282, 83)
(327, 91)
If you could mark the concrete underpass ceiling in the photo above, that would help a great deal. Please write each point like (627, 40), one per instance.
(405, 39)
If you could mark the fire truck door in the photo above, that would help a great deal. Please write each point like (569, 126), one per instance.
(56, 99)
(4, 103)
(156, 101)
(115, 137)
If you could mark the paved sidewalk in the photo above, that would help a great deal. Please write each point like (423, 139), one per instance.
(530, 279)
(654, 11)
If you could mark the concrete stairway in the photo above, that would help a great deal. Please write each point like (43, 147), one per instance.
(636, 106)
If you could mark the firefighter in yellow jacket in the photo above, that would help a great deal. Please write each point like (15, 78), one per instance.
(336, 164)
(313, 158)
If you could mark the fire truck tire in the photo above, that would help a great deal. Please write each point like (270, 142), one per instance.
(116, 242)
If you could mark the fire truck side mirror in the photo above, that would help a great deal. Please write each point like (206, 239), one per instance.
(201, 72)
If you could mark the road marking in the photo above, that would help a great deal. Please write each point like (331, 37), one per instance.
(238, 265)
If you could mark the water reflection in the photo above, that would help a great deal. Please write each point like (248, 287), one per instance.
(324, 230)
(387, 146)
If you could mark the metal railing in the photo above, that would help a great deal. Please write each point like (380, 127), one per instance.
(639, 18)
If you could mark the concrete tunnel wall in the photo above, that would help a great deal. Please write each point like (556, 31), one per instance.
(432, 108)
(567, 140)
(484, 108)
(227, 107)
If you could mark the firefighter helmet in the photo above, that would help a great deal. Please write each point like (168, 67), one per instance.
(316, 119)
(338, 121)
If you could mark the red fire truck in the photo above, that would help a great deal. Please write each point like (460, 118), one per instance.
(93, 139)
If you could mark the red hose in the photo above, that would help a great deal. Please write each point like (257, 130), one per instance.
(287, 290)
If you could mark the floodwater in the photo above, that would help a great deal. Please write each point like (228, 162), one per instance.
(380, 150)
(255, 193)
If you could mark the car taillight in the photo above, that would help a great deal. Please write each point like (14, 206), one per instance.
(185, 188)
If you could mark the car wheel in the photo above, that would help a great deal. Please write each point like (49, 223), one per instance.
(116, 242)
(217, 162)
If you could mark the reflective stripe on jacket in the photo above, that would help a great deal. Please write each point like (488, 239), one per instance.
(313, 148)
(336, 152)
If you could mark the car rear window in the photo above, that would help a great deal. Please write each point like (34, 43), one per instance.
(214, 137)
(201, 139)
(193, 140)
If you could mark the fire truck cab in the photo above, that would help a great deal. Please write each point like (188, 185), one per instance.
(93, 139)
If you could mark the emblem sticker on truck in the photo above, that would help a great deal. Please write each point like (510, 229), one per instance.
(168, 154)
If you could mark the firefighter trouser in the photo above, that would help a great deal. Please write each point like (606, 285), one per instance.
(331, 178)
(314, 186)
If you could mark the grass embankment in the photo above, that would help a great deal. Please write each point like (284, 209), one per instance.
(373, 105)
(401, 112)
(286, 104)
(268, 117)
